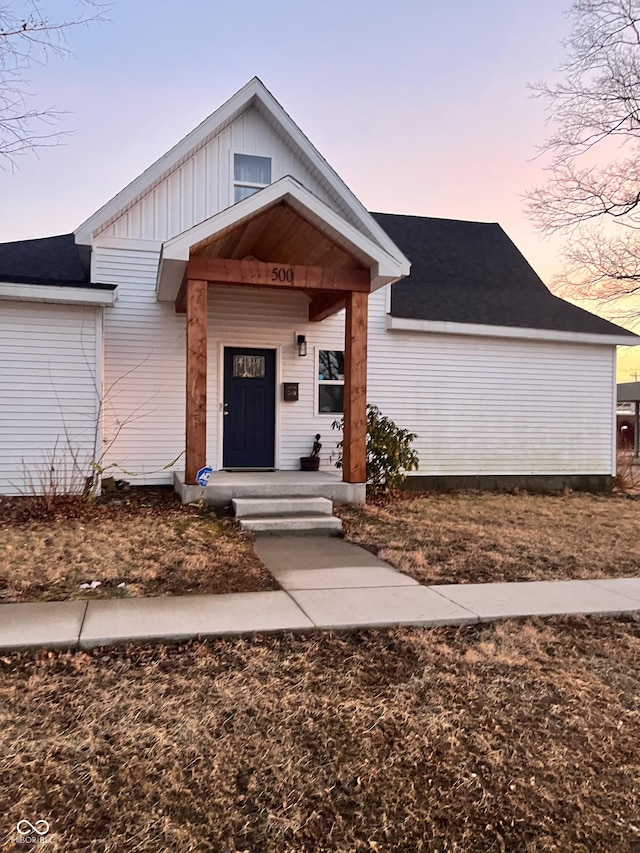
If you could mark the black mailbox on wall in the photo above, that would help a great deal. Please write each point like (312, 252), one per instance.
(290, 392)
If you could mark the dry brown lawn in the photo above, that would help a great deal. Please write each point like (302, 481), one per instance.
(481, 537)
(145, 539)
(519, 737)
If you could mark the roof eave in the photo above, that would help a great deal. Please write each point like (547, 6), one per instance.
(102, 295)
(443, 327)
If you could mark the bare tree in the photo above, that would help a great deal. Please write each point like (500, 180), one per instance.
(28, 37)
(593, 191)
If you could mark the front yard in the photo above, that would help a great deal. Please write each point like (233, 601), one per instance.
(146, 543)
(143, 542)
(521, 736)
(481, 537)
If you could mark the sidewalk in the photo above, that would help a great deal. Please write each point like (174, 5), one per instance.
(327, 584)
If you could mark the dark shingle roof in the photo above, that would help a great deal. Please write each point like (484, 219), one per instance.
(50, 260)
(471, 272)
(628, 392)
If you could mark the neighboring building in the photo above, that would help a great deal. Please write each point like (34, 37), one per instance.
(628, 417)
(183, 305)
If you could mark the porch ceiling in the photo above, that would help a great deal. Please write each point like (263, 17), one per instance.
(281, 224)
(279, 235)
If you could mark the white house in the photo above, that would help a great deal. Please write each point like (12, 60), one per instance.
(167, 333)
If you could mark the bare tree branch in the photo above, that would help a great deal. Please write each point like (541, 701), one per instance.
(28, 37)
(593, 153)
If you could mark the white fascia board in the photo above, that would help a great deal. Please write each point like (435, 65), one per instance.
(175, 252)
(441, 327)
(254, 94)
(169, 161)
(58, 293)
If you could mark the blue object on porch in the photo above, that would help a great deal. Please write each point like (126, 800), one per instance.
(202, 477)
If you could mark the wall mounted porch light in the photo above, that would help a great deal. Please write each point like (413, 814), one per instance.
(301, 342)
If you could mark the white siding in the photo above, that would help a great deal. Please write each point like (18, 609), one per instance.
(49, 393)
(202, 185)
(482, 405)
(478, 405)
(145, 367)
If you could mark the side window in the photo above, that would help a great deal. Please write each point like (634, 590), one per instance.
(330, 382)
(250, 174)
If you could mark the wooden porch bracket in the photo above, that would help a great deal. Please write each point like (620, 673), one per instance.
(181, 298)
(354, 454)
(323, 305)
(196, 411)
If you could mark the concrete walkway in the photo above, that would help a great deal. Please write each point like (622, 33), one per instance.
(327, 583)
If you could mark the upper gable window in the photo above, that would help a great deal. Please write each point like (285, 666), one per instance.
(250, 174)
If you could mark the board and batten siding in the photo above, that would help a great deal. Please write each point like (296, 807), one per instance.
(145, 364)
(482, 405)
(203, 184)
(49, 395)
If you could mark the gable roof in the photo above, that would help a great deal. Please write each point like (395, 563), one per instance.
(253, 94)
(287, 191)
(49, 260)
(471, 272)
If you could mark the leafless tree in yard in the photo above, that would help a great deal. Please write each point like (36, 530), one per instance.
(593, 192)
(28, 37)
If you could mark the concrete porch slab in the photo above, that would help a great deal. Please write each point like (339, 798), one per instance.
(345, 577)
(379, 606)
(536, 598)
(280, 553)
(225, 485)
(183, 617)
(49, 624)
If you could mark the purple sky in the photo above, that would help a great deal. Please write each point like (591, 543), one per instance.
(421, 106)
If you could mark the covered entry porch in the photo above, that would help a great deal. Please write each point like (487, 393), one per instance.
(280, 240)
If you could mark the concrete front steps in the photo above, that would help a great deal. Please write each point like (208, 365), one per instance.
(293, 515)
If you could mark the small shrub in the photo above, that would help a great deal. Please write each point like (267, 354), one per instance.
(627, 477)
(389, 451)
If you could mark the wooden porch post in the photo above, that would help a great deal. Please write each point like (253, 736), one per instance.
(354, 456)
(196, 414)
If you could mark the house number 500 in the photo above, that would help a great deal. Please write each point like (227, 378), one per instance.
(282, 274)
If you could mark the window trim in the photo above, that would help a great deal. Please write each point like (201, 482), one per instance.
(250, 184)
(319, 382)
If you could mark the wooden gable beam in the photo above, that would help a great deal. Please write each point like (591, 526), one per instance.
(260, 274)
(324, 305)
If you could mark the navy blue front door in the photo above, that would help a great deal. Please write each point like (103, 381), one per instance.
(250, 408)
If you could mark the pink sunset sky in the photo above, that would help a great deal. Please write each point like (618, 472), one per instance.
(421, 107)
